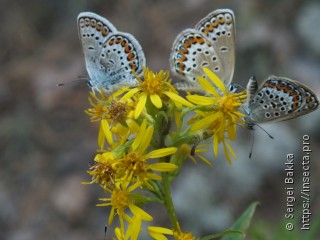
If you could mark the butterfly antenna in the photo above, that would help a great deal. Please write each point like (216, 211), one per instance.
(270, 136)
(80, 78)
(251, 146)
(105, 231)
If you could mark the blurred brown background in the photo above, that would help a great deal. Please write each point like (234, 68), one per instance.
(47, 142)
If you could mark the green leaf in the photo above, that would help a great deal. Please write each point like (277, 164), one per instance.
(242, 224)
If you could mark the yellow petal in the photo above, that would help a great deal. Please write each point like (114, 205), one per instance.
(231, 127)
(215, 145)
(201, 100)
(156, 100)
(135, 227)
(133, 187)
(204, 123)
(153, 176)
(230, 150)
(106, 129)
(207, 86)
(161, 152)
(176, 98)
(157, 232)
(111, 216)
(129, 94)
(139, 136)
(226, 153)
(215, 79)
(133, 125)
(101, 138)
(204, 160)
(147, 136)
(118, 233)
(163, 167)
(120, 91)
(160, 230)
(139, 211)
(140, 106)
(232, 130)
(157, 236)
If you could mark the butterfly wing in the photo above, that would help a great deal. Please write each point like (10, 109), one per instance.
(111, 57)
(93, 32)
(279, 99)
(121, 57)
(191, 52)
(310, 99)
(219, 27)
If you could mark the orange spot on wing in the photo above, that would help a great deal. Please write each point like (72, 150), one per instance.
(181, 68)
(111, 41)
(99, 26)
(105, 32)
(295, 102)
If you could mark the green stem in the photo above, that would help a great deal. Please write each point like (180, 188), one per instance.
(168, 200)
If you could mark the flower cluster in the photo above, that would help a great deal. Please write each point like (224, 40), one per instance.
(218, 112)
(146, 133)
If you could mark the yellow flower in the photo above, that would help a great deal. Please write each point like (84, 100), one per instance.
(127, 159)
(99, 109)
(134, 165)
(195, 151)
(122, 199)
(110, 111)
(108, 107)
(103, 171)
(217, 113)
(159, 233)
(157, 88)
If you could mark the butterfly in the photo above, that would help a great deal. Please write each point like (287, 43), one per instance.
(112, 58)
(278, 99)
(210, 44)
